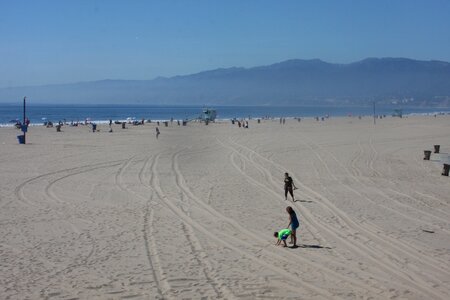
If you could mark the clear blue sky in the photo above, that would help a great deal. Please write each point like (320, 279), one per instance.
(44, 42)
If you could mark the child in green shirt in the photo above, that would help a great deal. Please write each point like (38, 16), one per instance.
(282, 235)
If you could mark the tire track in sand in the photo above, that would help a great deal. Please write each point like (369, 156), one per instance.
(220, 287)
(394, 190)
(355, 159)
(79, 261)
(18, 191)
(196, 249)
(181, 183)
(147, 224)
(157, 187)
(378, 259)
(239, 228)
(374, 258)
(162, 284)
(151, 249)
(373, 231)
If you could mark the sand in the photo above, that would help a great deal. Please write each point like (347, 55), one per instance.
(191, 215)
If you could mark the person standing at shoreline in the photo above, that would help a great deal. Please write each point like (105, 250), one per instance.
(157, 132)
(289, 186)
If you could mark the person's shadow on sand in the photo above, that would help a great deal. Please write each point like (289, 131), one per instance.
(305, 201)
(309, 246)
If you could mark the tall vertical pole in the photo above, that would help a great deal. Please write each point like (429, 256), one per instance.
(24, 119)
(374, 118)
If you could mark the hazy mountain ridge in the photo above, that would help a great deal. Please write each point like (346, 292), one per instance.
(291, 82)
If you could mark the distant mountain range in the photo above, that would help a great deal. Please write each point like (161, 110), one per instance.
(292, 82)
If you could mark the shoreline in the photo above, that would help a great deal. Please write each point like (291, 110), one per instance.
(101, 114)
(102, 122)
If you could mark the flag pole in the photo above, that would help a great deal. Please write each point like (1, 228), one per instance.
(374, 118)
(24, 119)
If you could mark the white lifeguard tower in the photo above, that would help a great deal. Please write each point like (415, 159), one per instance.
(208, 115)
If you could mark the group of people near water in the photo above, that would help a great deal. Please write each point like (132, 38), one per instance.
(291, 228)
(240, 123)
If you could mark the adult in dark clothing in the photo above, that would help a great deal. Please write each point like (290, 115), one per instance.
(289, 186)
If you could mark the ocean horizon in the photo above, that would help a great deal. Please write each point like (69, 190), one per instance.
(101, 113)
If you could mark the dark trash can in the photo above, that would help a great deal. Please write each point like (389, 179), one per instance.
(58, 128)
(166, 123)
(184, 123)
(427, 154)
(94, 127)
(445, 169)
(21, 139)
(259, 121)
(437, 148)
(123, 125)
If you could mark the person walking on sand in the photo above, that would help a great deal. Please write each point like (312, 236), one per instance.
(289, 186)
(293, 222)
(157, 132)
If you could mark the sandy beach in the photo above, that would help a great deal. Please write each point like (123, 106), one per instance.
(191, 215)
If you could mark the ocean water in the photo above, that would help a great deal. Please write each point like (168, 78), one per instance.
(102, 113)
